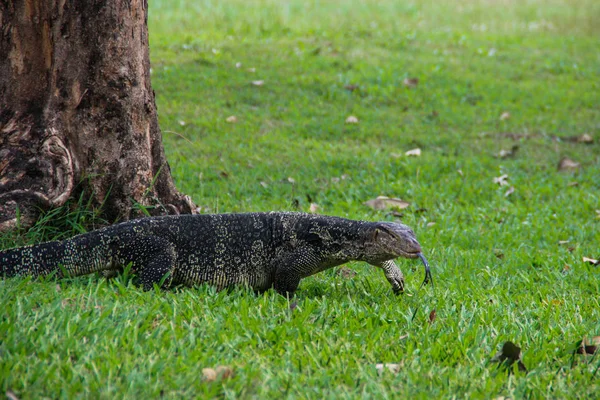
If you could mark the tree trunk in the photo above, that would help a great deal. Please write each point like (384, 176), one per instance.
(77, 112)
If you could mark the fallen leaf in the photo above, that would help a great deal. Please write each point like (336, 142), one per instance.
(384, 202)
(346, 273)
(430, 224)
(10, 395)
(232, 119)
(352, 120)
(509, 354)
(589, 348)
(501, 180)
(209, 374)
(314, 207)
(510, 191)
(291, 180)
(504, 116)
(432, 316)
(224, 371)
(393, 368)
(258, 83)
(413, 152)
(585, 138)
(221, 372)
(508, 153)
(351, 88)
(411, 82)
(252, 70)
(264, 184)
(566, 164)
(591, 261)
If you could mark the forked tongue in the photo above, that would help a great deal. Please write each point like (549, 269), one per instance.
(428, 277)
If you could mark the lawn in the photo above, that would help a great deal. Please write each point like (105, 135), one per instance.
(254, 99)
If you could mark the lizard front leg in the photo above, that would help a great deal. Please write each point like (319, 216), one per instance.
(393, 274)
(153, 258)
(292, 267)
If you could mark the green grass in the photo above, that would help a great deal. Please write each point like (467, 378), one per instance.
(501, 273)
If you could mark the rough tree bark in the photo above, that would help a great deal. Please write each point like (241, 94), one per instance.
(77, 111)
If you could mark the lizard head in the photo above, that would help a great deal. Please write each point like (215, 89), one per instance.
(389, 240)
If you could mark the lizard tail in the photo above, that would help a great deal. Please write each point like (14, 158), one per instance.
(34, 260)
(78, 256)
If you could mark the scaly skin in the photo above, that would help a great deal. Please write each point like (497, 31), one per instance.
(260, 250)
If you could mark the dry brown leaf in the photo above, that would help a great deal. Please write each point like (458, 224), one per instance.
(209, 374)
(585, 138)
(352, 120)
(258, 83)
(510, 191)
(384, 202)
(432, 316)
(509, 354)
(351, 88)
(10, 395)
(591, 261)
(414, 152)
(225, 372)
(232, 119)
(508, 153)
(220, 372)
(566, 164)
(314, 207)
(589, 348)
(411, 82)
(393, 368)
(501, 180)
(504, 116)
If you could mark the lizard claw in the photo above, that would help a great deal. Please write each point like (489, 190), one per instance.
(398, 285)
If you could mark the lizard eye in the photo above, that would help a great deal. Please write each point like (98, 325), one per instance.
(379, 233)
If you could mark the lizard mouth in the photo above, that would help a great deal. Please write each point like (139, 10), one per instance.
(410, 254)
